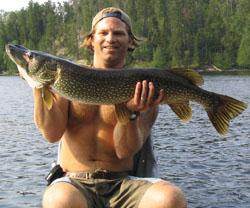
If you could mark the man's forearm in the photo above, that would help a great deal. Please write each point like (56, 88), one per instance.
(51, 123)
(128, 139)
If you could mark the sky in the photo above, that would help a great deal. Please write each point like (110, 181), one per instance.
(13, 5)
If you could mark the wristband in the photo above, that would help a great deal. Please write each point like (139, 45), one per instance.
(134, 115)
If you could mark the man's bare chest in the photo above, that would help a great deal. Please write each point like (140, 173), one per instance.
(91, 113)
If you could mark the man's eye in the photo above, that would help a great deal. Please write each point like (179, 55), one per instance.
(119, 33)
(103, 33)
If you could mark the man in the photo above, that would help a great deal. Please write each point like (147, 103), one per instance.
(97, 150)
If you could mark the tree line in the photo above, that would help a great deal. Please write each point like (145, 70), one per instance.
(174, 33)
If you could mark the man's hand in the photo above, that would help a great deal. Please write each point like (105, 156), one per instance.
(144, 97)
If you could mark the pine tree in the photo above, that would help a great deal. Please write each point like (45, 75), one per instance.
(242, 25)
(243, 58)
(176, 44)
(2, 43)
(175, 33)
(35, 24)
(50, 25)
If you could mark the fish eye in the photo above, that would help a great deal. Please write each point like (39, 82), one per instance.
(30, 55)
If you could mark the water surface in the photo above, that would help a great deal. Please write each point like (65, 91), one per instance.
(214, 172)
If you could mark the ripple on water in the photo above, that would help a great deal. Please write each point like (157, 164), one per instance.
(213, 171)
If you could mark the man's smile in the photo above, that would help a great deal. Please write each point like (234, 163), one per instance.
(110, 48)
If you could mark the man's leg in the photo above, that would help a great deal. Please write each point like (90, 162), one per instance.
(163, 195)
(63, 195)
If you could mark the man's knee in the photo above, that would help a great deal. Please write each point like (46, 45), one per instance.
(63, 195)
(173, 197)
(164, 195)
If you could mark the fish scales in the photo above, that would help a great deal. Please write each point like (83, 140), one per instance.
(116, 86)
(112, 87)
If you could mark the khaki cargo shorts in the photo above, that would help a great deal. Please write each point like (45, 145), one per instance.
(124, 192)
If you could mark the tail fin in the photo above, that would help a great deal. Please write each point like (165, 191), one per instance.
(227, 109)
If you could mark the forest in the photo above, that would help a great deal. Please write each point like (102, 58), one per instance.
(174, 33)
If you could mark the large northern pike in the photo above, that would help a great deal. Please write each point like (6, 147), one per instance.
(113, 86)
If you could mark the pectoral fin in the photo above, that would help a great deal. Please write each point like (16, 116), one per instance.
(182, 110)
(122, 113)
(48, 97)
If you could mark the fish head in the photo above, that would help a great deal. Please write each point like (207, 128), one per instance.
(16, 54)
(37, 68)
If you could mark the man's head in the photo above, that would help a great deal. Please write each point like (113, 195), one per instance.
(116, 13)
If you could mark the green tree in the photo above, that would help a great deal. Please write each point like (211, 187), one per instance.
(35, 24)
(176, 33)
(243, 58)
(242, 25)
(2, 43)
(71, 31)
(22, 26)
(51, 28)
(159, 58)
(176, 43)
(230, 40)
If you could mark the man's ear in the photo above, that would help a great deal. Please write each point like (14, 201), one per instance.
(131, 46)
(87, 42)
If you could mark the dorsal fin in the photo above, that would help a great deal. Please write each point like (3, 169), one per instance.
(189, 74)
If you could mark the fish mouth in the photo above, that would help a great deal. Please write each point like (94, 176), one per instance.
(18, 54)
(11, 49)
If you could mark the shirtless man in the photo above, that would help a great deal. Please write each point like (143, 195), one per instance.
(94, 141)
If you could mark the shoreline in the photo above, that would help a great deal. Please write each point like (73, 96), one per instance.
(226, 72)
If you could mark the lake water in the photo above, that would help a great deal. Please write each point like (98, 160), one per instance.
(214, 172)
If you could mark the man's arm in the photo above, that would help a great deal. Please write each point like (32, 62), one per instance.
(129, 138)
(51, 123)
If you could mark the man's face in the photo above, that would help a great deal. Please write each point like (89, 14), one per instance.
(111, 41)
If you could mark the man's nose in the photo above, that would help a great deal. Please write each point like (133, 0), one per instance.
(110, 37)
